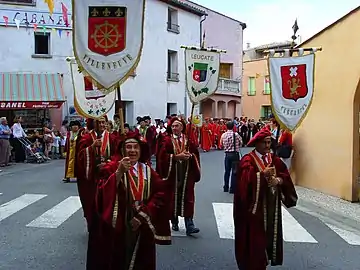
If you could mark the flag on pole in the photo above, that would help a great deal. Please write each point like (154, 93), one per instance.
(50, 4)
(295, 27)
(65, 14)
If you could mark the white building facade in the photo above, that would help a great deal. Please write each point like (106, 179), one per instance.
(33, 71)
(35, 45)
(158, 87)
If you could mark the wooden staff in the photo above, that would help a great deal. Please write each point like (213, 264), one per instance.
(120, 111)
(190, 127)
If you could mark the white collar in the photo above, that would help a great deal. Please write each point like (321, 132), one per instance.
(260, 155)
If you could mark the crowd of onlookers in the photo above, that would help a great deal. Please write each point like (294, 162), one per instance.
(17, 144)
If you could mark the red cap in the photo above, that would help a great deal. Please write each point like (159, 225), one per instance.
(132, 136)
(176, 119)
(260, 135)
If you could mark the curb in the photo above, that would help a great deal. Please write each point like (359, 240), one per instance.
(328, 216)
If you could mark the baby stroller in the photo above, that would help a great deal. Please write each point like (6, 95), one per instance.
(31, 155)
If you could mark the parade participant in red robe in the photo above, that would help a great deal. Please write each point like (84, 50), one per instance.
(263, 183)
(221, 130)
(130, 202)
(179, 163)
(212, 128)
(205, 136)
(147, 133)
(95, 149)
(71, 149)
(193, 133)
(150, 134)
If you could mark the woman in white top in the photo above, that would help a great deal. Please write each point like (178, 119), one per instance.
(18, 132)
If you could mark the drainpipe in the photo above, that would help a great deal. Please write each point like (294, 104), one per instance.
(201, 29)
(201, 41)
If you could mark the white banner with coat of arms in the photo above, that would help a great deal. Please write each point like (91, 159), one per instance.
(108, 38)
(292, 88)
(89, 100)
(202, 73)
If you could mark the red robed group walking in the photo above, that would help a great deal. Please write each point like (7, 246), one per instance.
(128, 205)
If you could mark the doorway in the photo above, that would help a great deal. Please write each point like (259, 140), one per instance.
(171, 108)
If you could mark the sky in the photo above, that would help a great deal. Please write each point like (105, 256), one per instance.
(272, 20)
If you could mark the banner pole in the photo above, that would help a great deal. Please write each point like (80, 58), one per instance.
(190, 126)
(120, 111)
(293, 37)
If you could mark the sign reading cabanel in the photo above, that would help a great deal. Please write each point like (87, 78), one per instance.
(202, 73)
(29, 18)
(23, 105)
(292, 88)
(108, 38)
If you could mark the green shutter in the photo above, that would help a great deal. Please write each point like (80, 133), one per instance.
(262, 112)
(251, 86)
(267, 86)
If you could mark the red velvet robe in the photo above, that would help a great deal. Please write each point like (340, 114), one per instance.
(206, 137)
(112, 243)
(183, 198)
(194, 133)
(257, 213)
(286, 138)
(150, 136)
(212, 128)
(67, 150)
(88, 161)
(221, 130)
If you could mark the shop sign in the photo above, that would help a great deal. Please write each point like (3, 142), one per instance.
(32, 18)
(26, 105)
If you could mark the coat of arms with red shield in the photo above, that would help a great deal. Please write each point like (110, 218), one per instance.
(107, 29)
(294, 81)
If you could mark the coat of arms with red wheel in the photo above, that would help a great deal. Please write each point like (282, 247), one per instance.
(108, 39)
(107, 30)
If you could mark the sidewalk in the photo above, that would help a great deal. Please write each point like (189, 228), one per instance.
(328, 208)
(24, 167)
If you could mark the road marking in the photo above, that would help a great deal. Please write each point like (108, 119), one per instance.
(348, 236)
(224, 220)
(11, 207)
(293, 231)
(0, 193)
(54, 217)
(182, 229)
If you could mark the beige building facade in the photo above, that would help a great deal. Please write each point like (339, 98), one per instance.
(327, 148)
(256, 83)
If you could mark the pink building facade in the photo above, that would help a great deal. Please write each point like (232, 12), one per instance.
(225, 33)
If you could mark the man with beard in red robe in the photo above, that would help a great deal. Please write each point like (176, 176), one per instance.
(263, 183)
(95, 149)
(179, 163)
(130, 202)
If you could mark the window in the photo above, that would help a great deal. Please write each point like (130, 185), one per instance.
(173, 24)
(18, 2)
(251, 86)
(225, 70)
(266, 112)
(267, 85)
(172, 68)
(42, 44)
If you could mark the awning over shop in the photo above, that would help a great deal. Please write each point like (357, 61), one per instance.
(31, 91)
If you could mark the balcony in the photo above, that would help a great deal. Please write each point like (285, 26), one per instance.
(171, 27)
(173, 77)
(228, 87)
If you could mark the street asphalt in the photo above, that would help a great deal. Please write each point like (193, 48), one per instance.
(58, 240)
